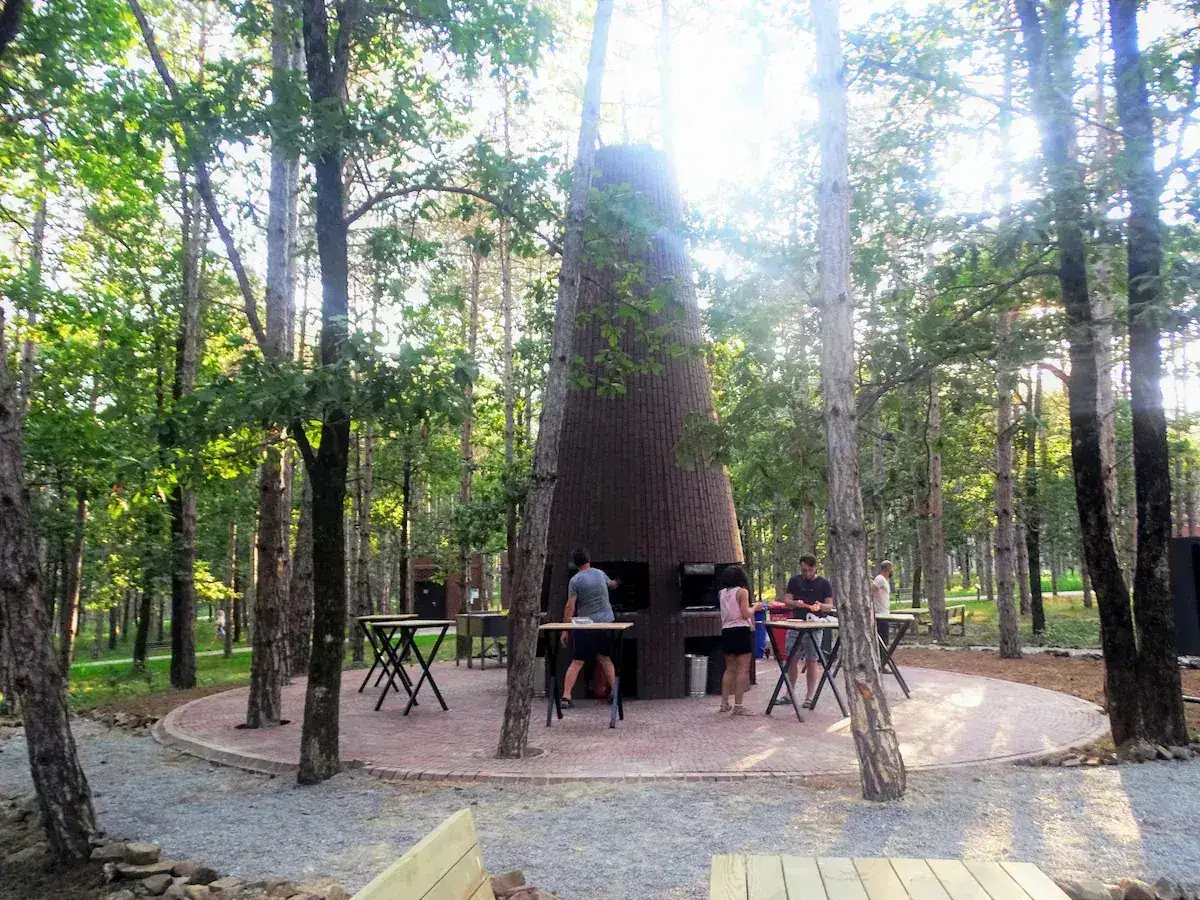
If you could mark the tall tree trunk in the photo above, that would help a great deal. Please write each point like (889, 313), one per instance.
(131, 598)
(934, 563)
(406, 493)
(1051, 60)
(917, 557)
(31, 668)
(506, 311)
(268, 666)
(1010, 640)
(778, 562)
(1158, 669)
(68, 622)
(466, 448)
(300, 592)
(327, 73)
(881, 768)
(113, 617)
(227, 605)
(526, 605)
(353, 516)
(986, 574)
(1033, 513)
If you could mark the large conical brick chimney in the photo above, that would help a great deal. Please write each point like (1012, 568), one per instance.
(621, 492)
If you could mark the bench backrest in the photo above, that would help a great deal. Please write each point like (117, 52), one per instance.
(445, 865)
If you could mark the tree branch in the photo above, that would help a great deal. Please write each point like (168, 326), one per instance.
(203, 181)
(498, 202)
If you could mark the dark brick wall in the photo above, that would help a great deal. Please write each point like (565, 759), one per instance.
(621, 493)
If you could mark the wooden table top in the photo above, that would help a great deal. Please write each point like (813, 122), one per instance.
(385, 617)
(802, 624)
(592, 626)
(414, 623)
(894, 617)
(807, 878)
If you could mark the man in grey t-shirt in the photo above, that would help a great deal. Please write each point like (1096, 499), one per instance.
(587, 595)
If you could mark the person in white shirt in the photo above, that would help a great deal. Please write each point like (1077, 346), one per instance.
(881, 597)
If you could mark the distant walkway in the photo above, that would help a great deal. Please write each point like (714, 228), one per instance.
(129, 662)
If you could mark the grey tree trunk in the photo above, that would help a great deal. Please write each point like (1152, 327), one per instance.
(231, 586)
(506, 312)
(779, 574)
(466, 447)
(300, 591)
(934, 562)
(514, 734)
(1010, 639)
(987, 574)
(881, 768)
(68, 621)
(268, 667)
(32, 669)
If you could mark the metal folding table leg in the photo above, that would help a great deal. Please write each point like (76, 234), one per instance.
(828, 666)
(783, 682)
(411, 638)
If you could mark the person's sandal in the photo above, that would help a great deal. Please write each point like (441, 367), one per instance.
(725, 707)
(566, 703)
(741, 711)
(807, 704)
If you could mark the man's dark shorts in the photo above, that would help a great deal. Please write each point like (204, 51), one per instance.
(587, 645)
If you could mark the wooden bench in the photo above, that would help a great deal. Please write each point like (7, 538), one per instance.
(808, 878)
(445, 865)
(956, 617)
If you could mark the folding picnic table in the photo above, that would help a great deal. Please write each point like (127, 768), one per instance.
(364, 623)
(396, 654)
(552, 630)
(811, 632)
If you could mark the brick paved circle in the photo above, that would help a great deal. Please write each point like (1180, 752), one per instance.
(951, 720)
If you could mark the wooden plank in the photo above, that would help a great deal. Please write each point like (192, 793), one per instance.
(764, 878)
(1034, 881)
(461, 881)
(918, 879)
(959, 883)
(485, 891)
(727, 878)
(880, 880)
(840, 879)
(997, 882)
(802, 878)
(418, 870)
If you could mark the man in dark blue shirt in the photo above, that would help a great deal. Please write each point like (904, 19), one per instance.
(807, 593)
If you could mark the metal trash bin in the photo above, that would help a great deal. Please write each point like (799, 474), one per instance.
(697, 674)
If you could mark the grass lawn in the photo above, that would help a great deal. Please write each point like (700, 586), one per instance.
(93, 686)
(1068, 624)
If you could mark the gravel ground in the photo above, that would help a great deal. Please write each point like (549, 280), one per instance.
(593, 842)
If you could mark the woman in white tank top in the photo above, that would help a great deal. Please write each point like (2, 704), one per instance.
(737, 637)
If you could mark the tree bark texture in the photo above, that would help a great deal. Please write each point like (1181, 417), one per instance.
(881, 768)
(327, 72)
(231, 585)
(1010, 640)
(531, 559)
(268, 666)
(68, 621)
(986, 572)
(466, 448)
(1049, 49)
(934, 560)
(1158, 669)
(1033, 513)
(300, 591)
(32, 669)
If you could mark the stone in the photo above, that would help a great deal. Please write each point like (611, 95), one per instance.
(228, 883)
(130, 871)
(1139, 751)
(121, 895)
(184, 868)
(203, 875)
(1115, 892)
(176, 892)
(1072, 762)
(325, 888)
(506, 883)
(30, 853)
(1182, 753)
(142, 854)
(197, 892)
(1163, 752)
(1085, 889)
(1092, 761)
(280, 887)
(1136, 889)
(1165, 889)
(157, 884)
(528, 892)
(111, 852)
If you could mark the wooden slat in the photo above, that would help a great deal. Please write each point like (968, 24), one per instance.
(880, 880)
(764, 878)
(840, 878)
(461, 881)
(727, 878)
(803, 879)
(1034, 881)
(485, 891)
(959, 883)
(918, 879)
(997, 882)
(418, 870)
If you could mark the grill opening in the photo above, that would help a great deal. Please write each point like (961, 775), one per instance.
(699, 585)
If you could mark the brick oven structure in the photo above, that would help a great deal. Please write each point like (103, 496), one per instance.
(621, 492)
